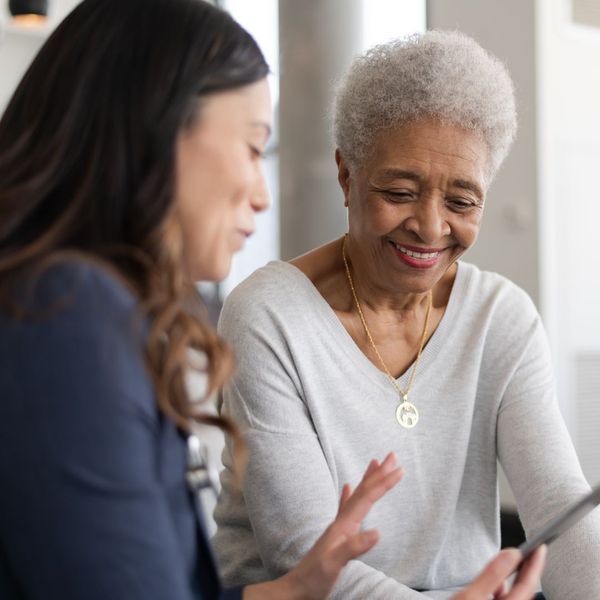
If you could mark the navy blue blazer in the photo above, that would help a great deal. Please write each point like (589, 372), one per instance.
(93, 499)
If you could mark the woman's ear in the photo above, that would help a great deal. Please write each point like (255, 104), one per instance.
(343, 175)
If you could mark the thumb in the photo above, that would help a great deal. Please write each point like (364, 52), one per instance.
(495, 573)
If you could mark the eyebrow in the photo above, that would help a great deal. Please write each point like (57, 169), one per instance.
(464, 184)
(399, 174)
(469, 186)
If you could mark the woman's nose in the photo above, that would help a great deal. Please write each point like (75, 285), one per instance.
(260, 198)
(428, 221)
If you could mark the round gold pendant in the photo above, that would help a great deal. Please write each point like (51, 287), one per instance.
(407, 414)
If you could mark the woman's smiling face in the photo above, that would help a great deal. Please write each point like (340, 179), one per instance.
(416, 204)
(220, 183)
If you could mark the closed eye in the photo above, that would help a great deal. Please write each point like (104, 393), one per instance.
(461, 204)
(399, 196)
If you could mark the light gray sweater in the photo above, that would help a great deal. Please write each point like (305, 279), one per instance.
(316, 410)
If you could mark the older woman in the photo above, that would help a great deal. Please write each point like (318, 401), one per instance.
(383, 340)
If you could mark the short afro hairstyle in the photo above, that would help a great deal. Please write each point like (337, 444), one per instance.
(443, 75)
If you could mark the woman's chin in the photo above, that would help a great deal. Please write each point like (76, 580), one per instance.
(214, 272)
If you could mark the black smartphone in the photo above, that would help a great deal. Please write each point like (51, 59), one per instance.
(561, 523)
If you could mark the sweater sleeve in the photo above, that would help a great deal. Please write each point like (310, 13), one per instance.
(289, 494)
(540, 462)
(83, 511)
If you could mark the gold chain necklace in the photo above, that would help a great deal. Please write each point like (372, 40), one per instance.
(406, 413)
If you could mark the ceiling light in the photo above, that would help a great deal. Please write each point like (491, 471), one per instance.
(29, 12)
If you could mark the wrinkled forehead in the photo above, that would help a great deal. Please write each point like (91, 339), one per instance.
(417, 147)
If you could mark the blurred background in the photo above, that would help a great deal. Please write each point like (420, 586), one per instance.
(542, 222)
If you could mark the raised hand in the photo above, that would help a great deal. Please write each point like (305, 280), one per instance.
(317, 572)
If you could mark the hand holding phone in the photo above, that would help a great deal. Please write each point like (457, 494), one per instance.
(492, 581)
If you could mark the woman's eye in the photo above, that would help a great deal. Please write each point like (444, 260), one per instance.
(460, 204)
(400, 196)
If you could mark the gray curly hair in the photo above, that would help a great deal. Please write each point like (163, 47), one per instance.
(444, 75)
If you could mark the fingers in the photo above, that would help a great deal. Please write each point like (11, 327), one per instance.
(492, 577)
(372, 487)
(353, 547)
(499, 569)
(372, 466)
(389, 461)
(529, 576)
(499, 593)
(380, 479)
(347, 490)
(346, 493)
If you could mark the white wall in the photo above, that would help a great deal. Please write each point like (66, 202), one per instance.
(570, 200)
(18, 44)
(16, 51)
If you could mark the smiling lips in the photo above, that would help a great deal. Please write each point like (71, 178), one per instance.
(239, 238)
(422, 258)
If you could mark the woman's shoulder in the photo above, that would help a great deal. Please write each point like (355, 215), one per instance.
(68, 305)
(70, 282)
(65, 291)
(78, 338)
(489, 289)
(288, 286)
(277, 287)
(488, 308)
(269, 278)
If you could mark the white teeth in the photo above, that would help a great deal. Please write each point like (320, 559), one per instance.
(420, 255)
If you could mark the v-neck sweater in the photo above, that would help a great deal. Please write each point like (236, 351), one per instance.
(315, 410)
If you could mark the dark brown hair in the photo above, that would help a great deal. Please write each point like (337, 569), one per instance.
(87, 161)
